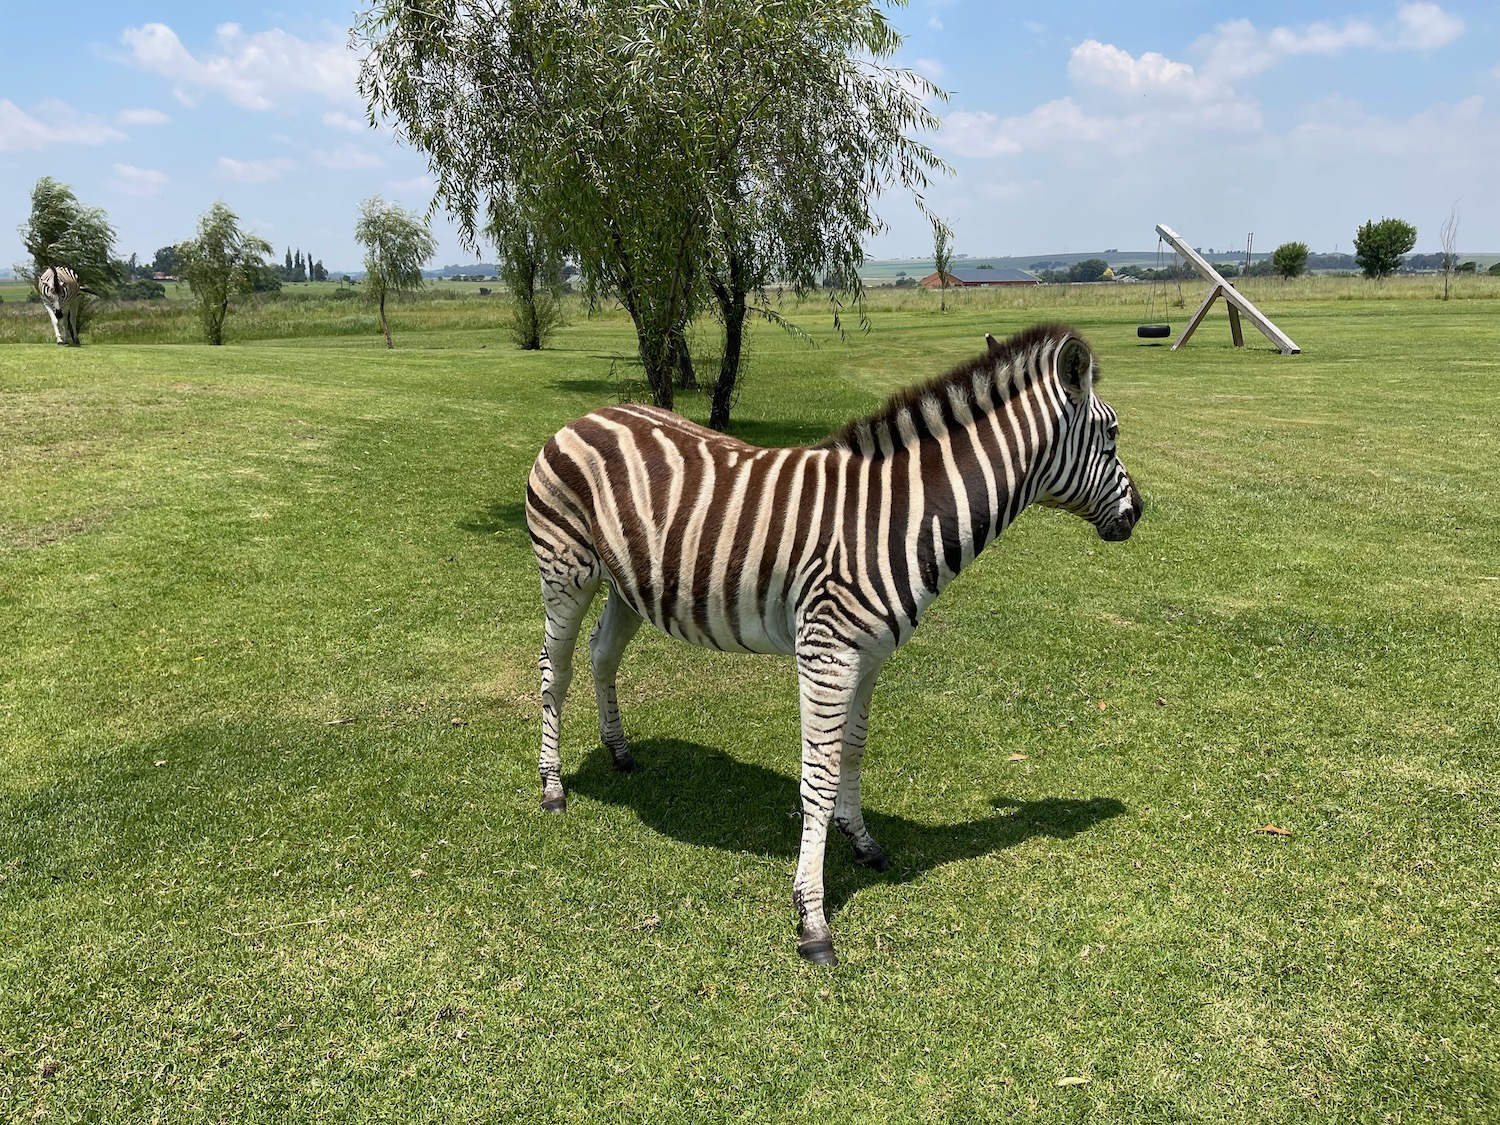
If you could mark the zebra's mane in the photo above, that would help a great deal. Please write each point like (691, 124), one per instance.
(1001, 365)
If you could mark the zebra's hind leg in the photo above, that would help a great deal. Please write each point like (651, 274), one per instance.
(566, 597)
(617, 624)
(847, 813)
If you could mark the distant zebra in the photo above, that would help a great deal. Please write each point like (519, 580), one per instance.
(829, 553)
(60, 292)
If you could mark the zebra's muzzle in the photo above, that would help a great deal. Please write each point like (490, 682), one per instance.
(1118, 529)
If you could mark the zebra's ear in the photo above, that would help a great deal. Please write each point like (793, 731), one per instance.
(1075, 368)
(992, 343)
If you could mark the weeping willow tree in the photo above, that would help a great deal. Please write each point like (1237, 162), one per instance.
(685, 154)
(60, 231)
(397, 245)
(532, 269)
(942, 259)
(220, 261)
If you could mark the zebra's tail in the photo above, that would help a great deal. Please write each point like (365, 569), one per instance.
(90, 292)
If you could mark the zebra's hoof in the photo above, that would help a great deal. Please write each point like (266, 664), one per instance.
(818, 952)
(876, 861)
(626, 763)
(555, 805)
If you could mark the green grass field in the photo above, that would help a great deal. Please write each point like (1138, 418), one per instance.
(270, 844)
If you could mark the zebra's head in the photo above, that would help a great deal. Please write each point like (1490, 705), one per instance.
(1086, 476)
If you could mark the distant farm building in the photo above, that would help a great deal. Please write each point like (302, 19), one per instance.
(969, 278)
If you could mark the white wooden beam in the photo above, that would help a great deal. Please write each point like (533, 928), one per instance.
(1236, 301)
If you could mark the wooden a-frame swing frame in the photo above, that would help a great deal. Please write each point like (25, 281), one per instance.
(1233, 300)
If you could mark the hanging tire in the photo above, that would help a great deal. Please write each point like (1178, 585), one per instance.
(1154, 331)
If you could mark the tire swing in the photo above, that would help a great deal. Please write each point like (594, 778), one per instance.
(1157, 331)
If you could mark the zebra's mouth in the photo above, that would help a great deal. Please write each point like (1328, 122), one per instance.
(1118, 529)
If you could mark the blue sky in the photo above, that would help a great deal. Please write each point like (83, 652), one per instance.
(1071, 127)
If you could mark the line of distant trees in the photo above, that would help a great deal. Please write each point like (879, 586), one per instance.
(142, 281)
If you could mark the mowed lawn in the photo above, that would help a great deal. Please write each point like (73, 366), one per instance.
(270, 843)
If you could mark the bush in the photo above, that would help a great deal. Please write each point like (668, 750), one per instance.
(1378, 246)
(142, 289)
(1090, 269)
(1290, 259)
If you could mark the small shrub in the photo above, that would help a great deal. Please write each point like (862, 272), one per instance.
(142, 289)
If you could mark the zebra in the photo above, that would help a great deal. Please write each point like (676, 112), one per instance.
(61, 293)
(829, 553)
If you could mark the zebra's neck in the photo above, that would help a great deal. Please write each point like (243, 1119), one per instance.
(959, 459)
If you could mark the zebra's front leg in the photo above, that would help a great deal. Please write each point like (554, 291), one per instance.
(57, 332)
(617, 624)
(566, 599)
(829, 680)
(847, 813)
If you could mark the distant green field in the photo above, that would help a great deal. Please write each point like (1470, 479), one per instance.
(270, 844)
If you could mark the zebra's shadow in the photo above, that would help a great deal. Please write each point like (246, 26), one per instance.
(704, 797)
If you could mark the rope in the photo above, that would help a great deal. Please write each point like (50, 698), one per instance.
(1156, 282)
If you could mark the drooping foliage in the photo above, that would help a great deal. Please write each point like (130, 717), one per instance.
(222, 260)
(397, 245)
(685, 154)
(60, 231)
(533, 274)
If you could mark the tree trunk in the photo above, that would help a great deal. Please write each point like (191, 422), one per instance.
(681, 360)
(733, 307)
(384, 326)
(731, 295)
(657, 362)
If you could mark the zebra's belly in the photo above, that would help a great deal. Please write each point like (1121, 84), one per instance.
(746, 637)
(768, 632)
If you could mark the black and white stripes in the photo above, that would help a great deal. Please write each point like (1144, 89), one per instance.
(61, 293)
(828, 553)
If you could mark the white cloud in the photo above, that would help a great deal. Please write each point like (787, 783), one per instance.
(1238, 49)
(930, 69)
(417, 185)
(978, 134)
(1084, 139)
(1426, 26)
(337, 119)
(1123, 105)
(259, 71)
(137, 181)
(142, 117)
(48, 123)
(1102, 64)
(253, 171)
(1441, 133)
(348, 157)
